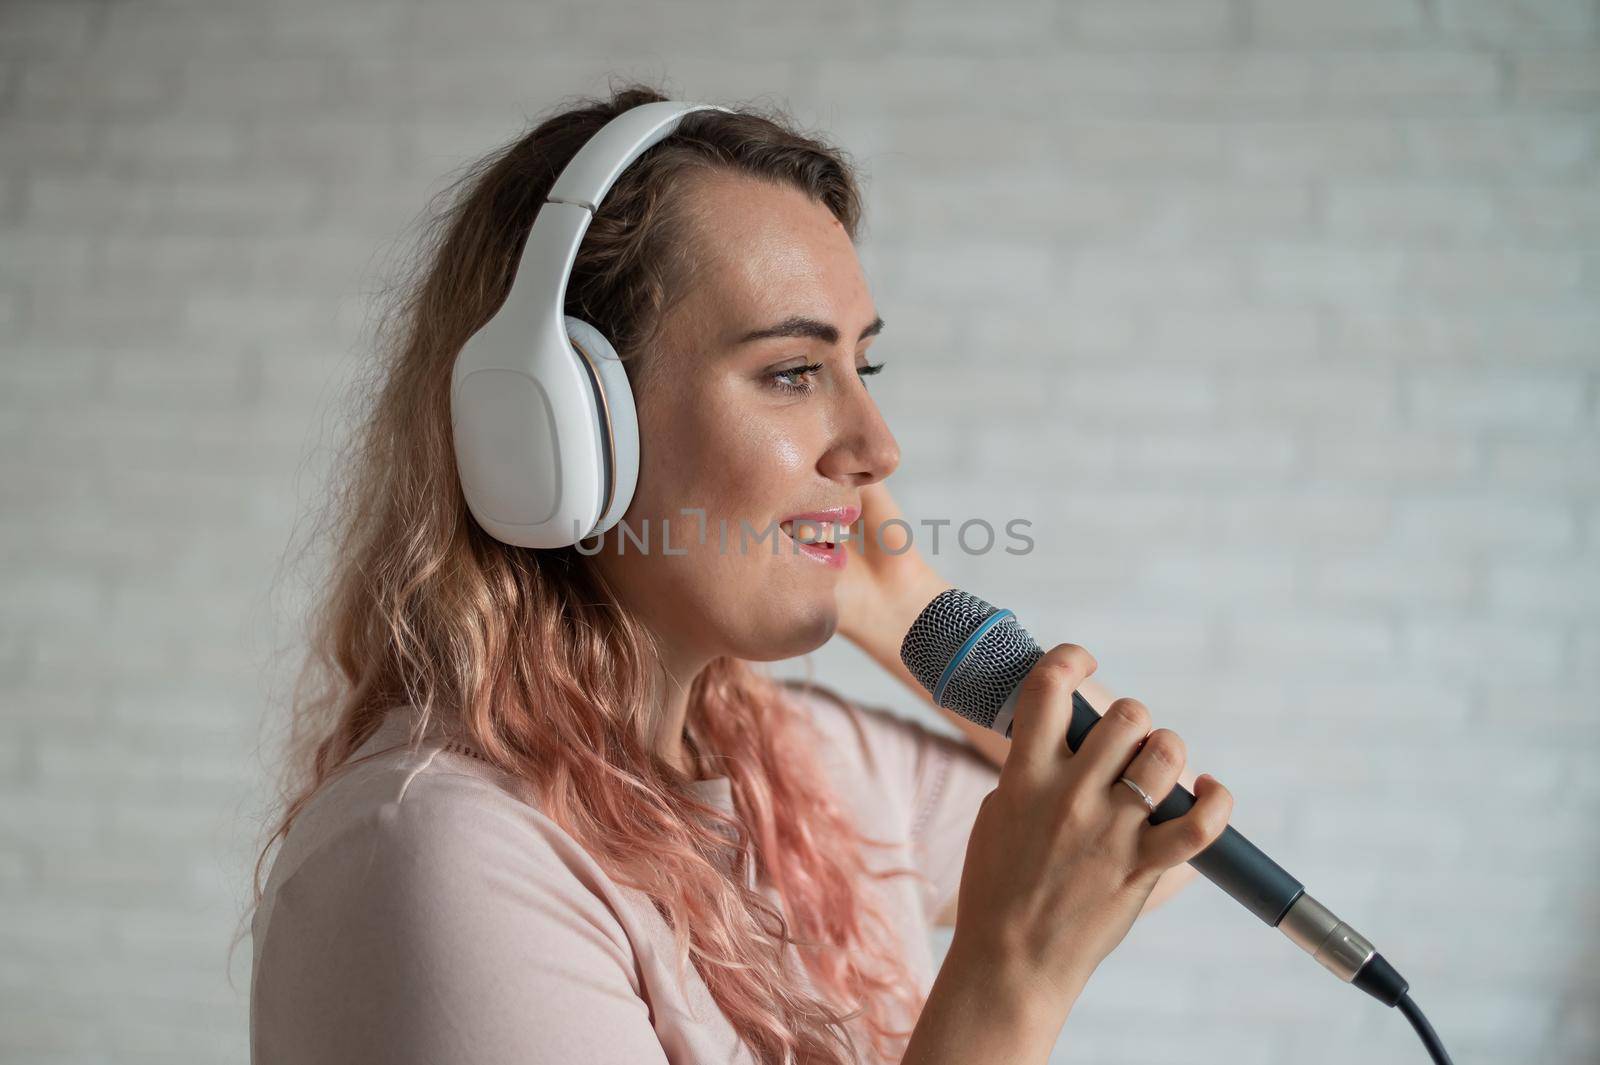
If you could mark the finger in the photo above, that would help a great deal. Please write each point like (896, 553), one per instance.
(1155, 768)
(1110, 745)
(1044, 707)
(878, 509)
(876, 501)
(1174, 842)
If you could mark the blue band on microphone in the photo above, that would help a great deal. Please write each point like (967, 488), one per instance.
(972, 641)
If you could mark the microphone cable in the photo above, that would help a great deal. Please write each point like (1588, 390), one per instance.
(1425, 1032)
(1383, 982)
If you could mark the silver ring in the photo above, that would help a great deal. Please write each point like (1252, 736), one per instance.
(1148, 801)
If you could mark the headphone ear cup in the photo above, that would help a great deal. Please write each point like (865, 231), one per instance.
(616, 419)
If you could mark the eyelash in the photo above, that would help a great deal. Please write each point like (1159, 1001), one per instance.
(809, 369)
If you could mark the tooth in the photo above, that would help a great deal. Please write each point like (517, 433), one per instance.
(811, 531)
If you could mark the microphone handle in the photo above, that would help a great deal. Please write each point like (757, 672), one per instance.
(1261, 885)
(1231, 862)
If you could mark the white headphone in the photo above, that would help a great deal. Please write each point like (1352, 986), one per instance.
(546, 438)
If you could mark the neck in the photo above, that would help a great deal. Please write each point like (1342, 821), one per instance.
(672, 711)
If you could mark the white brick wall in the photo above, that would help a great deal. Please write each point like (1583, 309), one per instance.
(1279, 320)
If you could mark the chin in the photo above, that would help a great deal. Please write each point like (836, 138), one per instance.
(785, 633)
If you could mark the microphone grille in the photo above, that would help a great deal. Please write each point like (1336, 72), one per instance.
(987, 673)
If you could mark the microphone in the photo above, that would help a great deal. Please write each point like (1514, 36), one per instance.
(972, 657)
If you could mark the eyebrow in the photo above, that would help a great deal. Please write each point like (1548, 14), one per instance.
(800, 326)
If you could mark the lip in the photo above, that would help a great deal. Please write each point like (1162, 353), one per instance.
(842, 515)
(836, 556)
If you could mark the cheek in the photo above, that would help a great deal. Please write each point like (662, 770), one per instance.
(734, 461)
(776, 447)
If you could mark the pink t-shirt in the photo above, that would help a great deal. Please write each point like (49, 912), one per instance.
(423, 910)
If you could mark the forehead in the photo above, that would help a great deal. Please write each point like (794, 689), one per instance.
(764, 251)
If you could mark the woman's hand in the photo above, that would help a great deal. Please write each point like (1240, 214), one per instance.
(1062, 855)
(886, 581)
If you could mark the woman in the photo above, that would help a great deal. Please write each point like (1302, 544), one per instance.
(547, 811)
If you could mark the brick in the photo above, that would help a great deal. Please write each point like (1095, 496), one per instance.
(1304, 21)
(1134, 643)
(1564, 588)
(1313, 645)
(1483, 521)
(32, 819)
(168, 145)
(1475, 649)
(101, 87)
(162, 262)
(1403, 82)
(35, 374)
(1386, 455)
(1326, 517)
(1315, 148)
(61, 144)
(1411, 213)
(1546, 402)
(1261, 455)
(159, 378)
(1491, 21)
(1144, 23)
(234, 205)
(244, 85)
(1256, 577)
(1309, 272)
(1231, 332)
(1481, 335)
(1116, 276)
(1188, 83)
(59, 320)
(1014, 450)
(1124, 397)
(1512, 146)
(340, 27)
(1404, 583)
(301, 262)
(1566, 214)
(1005, 271)
(1062, 330)
(166, 31)
(1297, 395)
(1564, 75)
(58, 28)
(1511, 277)
(1236, 212)
(963, 208)
(352, 150)
(945, 23)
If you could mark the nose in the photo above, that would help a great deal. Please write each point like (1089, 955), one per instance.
(863, 450)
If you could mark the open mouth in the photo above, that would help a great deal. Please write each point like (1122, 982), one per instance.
(809, 533)
(821, 534)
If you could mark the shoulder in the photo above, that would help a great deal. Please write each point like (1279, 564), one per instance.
(863, 734)
(868, 733)
(874, 753)
(428, 832)
(423, 910)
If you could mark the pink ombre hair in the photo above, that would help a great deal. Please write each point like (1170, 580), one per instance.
(527, 655)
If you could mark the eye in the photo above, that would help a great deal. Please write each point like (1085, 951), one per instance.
(795, 378)
(798, 378)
